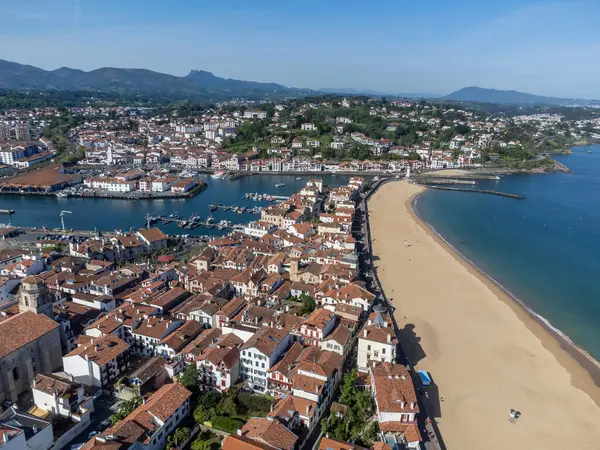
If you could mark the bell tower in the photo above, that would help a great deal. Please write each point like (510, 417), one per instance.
(34, 297)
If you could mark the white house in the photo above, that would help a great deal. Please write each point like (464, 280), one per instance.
(259, 228)
(98, 362)
(377, 340)
(218, 367)
(260, 353)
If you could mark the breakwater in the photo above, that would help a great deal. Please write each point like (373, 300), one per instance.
(477, 191)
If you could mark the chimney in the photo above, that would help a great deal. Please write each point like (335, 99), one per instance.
(389, 338)
(5, 437)
(365, 332)
(402, 404)
(239, 432)
(307, 409)
(34, 428)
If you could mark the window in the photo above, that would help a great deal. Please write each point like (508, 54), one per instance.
(368, 348)
(383, 351)
(15, 373)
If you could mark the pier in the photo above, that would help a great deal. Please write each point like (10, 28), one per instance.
(236, 208)
(193, 222)
(477, 191)
(264, 197)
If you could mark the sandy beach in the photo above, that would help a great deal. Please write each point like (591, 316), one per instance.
(486, 353)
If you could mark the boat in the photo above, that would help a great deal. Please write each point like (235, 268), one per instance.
(7, 211)
(219, 174)
(182, 224)
(279, 184)
(298, 178)
(212, 207)
(62, 194)
(589, 151)
(210, 219)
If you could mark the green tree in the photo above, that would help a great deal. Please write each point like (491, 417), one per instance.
(308, 304)
(200, 445)
(125, 408)
(189, 377)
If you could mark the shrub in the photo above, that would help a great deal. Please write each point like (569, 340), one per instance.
(227, 424)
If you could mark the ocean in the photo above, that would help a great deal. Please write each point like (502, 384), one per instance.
(545, 250)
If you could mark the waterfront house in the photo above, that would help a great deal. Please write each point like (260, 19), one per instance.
(377, 339)
(396, 404)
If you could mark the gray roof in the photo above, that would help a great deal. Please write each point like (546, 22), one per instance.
(31, 425)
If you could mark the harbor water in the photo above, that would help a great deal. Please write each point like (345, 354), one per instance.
(111, 214)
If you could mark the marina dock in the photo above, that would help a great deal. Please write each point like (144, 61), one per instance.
(264, 197)
(236, 208)
(193, 222)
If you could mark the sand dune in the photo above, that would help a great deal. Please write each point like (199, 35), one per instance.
(486, 355)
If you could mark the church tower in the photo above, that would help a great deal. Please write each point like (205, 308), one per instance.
(34, 297)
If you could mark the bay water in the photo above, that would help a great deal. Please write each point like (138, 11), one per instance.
(545, 249)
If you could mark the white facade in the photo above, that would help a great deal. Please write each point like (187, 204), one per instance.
(369, 350)
(257, 229)
(254, 364)
(111, 184)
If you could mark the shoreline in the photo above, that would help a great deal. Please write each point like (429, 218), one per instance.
(572, 357)
(486, 352)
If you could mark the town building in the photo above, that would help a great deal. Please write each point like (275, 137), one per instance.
(377, 340)
(98, 361)
(30, 344)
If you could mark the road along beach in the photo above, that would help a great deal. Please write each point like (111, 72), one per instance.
(486, 353)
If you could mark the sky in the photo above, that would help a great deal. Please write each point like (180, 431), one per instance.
(397, 46)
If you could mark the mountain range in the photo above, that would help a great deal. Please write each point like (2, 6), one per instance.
(200, 84)
(197, 84)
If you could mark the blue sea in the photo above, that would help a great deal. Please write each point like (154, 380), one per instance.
(545, 249)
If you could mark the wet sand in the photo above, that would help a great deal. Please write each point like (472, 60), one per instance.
(485, 352)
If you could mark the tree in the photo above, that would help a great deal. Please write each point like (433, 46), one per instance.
(125, 408)
(308, 304)
(179, 436)
(189, 378)
(200, 445)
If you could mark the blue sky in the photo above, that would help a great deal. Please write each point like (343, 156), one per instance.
(434, 46)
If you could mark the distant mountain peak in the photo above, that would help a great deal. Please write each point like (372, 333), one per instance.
(508, 97)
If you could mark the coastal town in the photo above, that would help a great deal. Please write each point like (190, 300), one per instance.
(272, 333)
(273, 336)
(139, 152)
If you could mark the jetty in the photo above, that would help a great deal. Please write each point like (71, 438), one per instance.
(436, 180)
(236, 208)
(193, 222)
(476, 191)
(264, 197)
